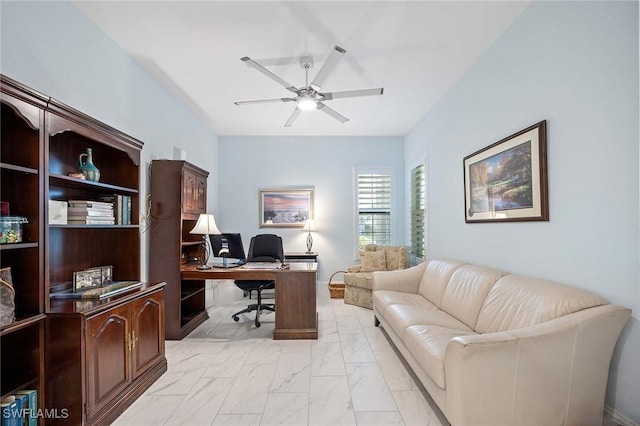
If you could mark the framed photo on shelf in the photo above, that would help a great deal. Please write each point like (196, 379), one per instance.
(285, 208)
(507, 181)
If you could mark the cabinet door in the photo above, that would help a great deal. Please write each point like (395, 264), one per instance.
(201, 194)
(147, 317)
(189, 191)
(108, 357)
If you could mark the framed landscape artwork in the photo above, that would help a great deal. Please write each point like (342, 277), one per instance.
(507, 181)
(285, 208)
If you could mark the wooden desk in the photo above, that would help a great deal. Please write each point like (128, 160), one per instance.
(296, 306)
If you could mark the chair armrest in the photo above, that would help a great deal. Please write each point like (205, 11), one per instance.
(353, 269)
(555, 371)
(405, 280)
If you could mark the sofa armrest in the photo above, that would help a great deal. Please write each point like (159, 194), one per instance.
(353, 269)
(405, 280)
(557, 369)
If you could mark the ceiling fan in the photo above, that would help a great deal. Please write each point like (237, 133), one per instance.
(310, 97)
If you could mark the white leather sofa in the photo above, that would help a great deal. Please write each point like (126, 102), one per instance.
(493, 348)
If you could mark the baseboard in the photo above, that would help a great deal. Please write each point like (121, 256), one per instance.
(611, 416)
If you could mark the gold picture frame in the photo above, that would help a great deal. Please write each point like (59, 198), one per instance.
(285, 208)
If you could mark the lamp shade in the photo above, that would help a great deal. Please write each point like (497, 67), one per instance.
(206, 225)
(309, 226)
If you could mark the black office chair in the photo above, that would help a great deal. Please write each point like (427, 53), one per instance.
(263, 248)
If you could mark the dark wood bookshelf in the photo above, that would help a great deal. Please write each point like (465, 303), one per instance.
(52, 345)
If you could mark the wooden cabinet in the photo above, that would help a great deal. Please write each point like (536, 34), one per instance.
(45, 347)
(22, 186)
(178, 196)
(117, 343)
(194, 190)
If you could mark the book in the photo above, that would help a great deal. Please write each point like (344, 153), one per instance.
(119, 206)
(91, 221)
(88, 211)
(90, 203)
(31, 408)
(11, 411)
(127, 210)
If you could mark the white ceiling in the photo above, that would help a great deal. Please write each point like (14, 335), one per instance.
(416, 50)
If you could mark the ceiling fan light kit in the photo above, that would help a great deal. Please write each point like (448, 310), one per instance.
(310, 97)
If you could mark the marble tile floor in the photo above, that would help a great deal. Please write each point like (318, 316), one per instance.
(228, 373)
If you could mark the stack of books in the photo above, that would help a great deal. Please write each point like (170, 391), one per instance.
(121, 207)
(85, 212)
(20, 409)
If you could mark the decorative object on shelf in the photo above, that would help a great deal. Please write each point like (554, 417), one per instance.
(76, 175)
(58, 211)
(205, 226)
(308, 227)
(507, 181)
(285, 208)
(11, 229)
(92, 278)
(88, 169)
(7, 298)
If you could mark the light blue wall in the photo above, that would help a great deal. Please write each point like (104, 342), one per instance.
(574, 64)
(55, 49)
(325, 163)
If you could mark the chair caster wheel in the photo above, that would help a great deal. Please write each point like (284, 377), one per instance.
(236, 319)
(257, 324)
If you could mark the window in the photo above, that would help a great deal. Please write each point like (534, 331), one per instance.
(373, 208)
(417, 220)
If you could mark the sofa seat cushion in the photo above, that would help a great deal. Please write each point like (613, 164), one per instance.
(428, 345)
(360, 279)
(385, 298)
(400, 316)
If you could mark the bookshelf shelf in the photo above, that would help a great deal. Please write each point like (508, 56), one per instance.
(80, 226)
(70, 182)
(22, 323)
(16, 168)
(18, 246)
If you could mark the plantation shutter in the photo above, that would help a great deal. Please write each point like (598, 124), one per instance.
(417, 211)
(374, 209)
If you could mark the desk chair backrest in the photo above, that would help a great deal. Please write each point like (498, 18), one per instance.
(265, 248)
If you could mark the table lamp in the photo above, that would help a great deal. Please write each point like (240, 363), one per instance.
(308, 227)
(205, 226)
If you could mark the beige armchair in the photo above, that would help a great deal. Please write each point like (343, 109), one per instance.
(358, 278)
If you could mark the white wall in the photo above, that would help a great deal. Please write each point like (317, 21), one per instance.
(574, 64)
(55, 49)
(325, 163)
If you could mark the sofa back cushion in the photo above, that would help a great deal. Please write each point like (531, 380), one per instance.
(467, 290)
(516, 301)
(435, 279)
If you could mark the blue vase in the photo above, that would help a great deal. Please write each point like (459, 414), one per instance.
(87, 168)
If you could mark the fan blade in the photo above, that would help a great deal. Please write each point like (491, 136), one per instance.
(334, 57)
(293, 117)
(253, 64)
(264, 101)
(341, 118)
(352, 93)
